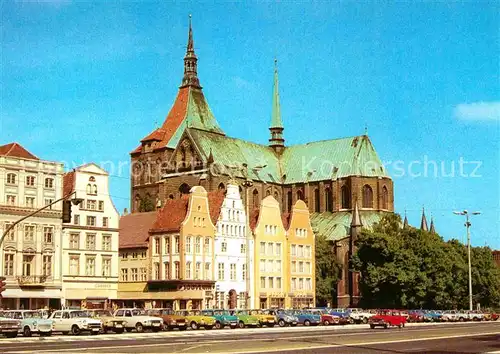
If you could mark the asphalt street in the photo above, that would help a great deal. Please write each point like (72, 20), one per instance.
(443, 338)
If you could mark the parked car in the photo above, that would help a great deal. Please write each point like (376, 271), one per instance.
(9, 327)
(326, 318)
(283, 317)
(109, 322)
(31, 322)
(387, 318)
(196, 319)
(74, 321)
(432, 316)
(245, 319)
(223, 318)
(342, 314)
(264, 319)
(306, 318)
(138, 320)
(170, 319)
(450, 316)
(415, 316)
(359, 315)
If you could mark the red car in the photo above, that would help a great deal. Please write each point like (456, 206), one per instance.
(387, 318)
(326, 319)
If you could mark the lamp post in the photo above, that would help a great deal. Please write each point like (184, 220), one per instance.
(467, 226)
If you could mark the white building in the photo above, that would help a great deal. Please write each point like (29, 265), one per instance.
(233, 248)
(90, 241)
(31, 252)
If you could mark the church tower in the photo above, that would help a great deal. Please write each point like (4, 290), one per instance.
(277, 142)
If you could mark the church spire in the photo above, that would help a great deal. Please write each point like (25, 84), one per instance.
(277, 141)
(432, 229)
(423, 223)
(190, 62)
(405, 222)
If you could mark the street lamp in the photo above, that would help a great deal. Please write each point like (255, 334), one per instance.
(467, 226)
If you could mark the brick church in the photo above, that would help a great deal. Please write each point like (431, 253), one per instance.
(343, 181)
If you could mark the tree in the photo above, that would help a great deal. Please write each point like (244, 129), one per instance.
(327, 272)
(146, 204)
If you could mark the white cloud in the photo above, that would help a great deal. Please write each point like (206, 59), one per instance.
(478, 111)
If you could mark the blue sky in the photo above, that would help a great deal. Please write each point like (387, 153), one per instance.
(84, 81)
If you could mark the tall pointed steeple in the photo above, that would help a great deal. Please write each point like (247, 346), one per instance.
(423, 223)
(190, 62)
(432, 229)
(405, 222)
(356, 219)
(277, 142)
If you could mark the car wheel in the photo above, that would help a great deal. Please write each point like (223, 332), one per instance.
(372, 326)
(281, 323)
(326, 323)
(461, 319)
(27, 332)
(241, 324)
(166, 327)
(11, 335)
(364, 320)
(218, 325)
(75, 330)
(139, 328)
(194, 325)
(307, 323)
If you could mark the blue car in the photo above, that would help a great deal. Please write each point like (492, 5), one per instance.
(223, 318)
(283, 317)
(343, 315)
(305, 318)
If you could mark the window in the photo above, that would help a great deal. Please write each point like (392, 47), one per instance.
(30, 202)
(166, 265)
(49, 183)
(307, 252)
(8, 264)
(301, 267)
(385, 198)
(11, 200)
(134, 273)
(232, 271)
(91, 221)
(301, 251)
(91, 204)
(29, 233)
(157, 245)
(293, 250)
(208, 273)
(223, 247)
(106, 242)
(74, 241)
(269, 248)
(207, 245)
(90, 242)
(278, 283)
(197, 246)
(105, 221)
(289, 200)
(167, 245)
(124, 274)
(255, 198)
(74, 265)
(176, 244)
(301, 283)
(11, 235)
(143, 274)
(48, 201)
(262, 265)
(300, 195)
(271, 283)
(270, 266)
(294, 283)
(346, 198)
(308, 267)
(197, 270)
(48, 234)
(278, 249)
(294, 266)
(243, 248)
(308, 284)
(101, 205)
(177, 270)
(263, 282)
(28, 265)
(90, 266)
(328, 199)
(47, 265)
(106, 266)
(134, 255)
(157, 270)
(221, 271)
(243, 272)
(262, 248)
(188, 270)
(11, 178)
(317, 204)
(367, 196)
(76, 219)
(188, 244)
(277, 266)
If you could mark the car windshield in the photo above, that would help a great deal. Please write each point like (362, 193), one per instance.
(138, 313)
(32, 314)
(257, 312)
(167, 312)
(14, 315)
(242, 313)
(74, 314)
(102, 313)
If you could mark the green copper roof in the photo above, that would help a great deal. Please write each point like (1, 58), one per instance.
(276, 110)
(336, 226)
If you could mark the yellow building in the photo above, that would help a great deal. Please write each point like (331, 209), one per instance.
(283, 262)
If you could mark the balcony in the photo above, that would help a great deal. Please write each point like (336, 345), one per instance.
(32, 280)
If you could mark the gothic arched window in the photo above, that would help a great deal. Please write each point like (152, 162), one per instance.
(184, 189)
(367, 196)
(385, 198)
(328, 199)
(317, 205)
(289, 197)
(346, 197)
(256, 200)
(300, 195)
(222, 187)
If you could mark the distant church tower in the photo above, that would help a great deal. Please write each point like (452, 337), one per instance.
(277, 142)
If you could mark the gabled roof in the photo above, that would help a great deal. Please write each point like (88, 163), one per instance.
(68, 183)
(134, 229)
(16, 150)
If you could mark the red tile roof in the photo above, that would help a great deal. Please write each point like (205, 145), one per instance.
(134, 229)
(16, 150)
(156, 135)
(68, 183)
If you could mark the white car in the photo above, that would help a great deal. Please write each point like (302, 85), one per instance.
(31, 322)
(75, 322)
(450, 316)
(139, 320)
(359, 315)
